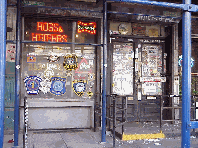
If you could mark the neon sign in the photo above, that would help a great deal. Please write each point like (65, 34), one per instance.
(87, 27)
(49, 27)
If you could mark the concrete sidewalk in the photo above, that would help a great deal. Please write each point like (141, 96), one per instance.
(86, 138)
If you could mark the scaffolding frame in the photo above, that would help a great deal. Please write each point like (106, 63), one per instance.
(187, 8)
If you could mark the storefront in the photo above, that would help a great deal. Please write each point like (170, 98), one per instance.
(61, 62)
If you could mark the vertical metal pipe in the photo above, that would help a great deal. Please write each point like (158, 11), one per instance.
(114, 120)
(103, 135)
(186, 76)
(161, 105)
(3, 9)
(123, 114)
(25, 132)
(17, 74)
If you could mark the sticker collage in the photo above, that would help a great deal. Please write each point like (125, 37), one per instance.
(59, 75)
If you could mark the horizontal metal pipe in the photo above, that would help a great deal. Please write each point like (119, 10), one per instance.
(193, 124)
(41, 42)
(121, 123)
(138, 14)
(60, 8)
(171, 120)
(146, 2)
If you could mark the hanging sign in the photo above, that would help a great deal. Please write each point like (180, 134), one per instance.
(70, 62)
(58, 86)
(32, 84)
(87, 27)
(79, 87)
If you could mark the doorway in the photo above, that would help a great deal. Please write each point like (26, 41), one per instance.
(137, 68)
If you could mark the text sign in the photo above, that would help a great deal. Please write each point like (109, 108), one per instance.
(49, 28)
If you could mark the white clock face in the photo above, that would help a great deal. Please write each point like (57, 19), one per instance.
(80, 87)
(123, 29)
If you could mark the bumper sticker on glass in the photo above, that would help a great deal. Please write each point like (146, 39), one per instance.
(58, 87)
(32, 84)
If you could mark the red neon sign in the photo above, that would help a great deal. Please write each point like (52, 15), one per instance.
(87, 27)
(49, 27)
(49, 37)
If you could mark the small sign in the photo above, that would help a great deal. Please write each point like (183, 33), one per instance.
(31, 59)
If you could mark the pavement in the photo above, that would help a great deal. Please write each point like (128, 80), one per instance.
(86, 138)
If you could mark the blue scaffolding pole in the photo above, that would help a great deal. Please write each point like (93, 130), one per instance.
(103, 134)
(187, 8)
(3, 8)
(17, 74)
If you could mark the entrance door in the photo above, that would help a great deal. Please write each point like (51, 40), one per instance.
(136, 74)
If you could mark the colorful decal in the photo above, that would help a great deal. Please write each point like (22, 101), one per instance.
(87, 27)
(83, 67)
(79, 87)
(53, 58)
(70, 62)
(31, 58)
(58, 86)
(32, 84)
(45, 86)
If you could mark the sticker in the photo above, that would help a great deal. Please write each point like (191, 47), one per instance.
(70, 62)
(69, 74)
(58, 86)
(90, 62)
(48, 73)
(89, 93)
(45, 86)
(31, 58)
(10, 52)
(32, 84)
(91, 76)
(79, 87)
(83, 67)
(53, 58)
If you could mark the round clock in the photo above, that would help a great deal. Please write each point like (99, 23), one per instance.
(123, 29)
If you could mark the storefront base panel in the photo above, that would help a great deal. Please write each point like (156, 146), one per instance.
(59, 115)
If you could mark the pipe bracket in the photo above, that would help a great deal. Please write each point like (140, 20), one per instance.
(190, 8)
